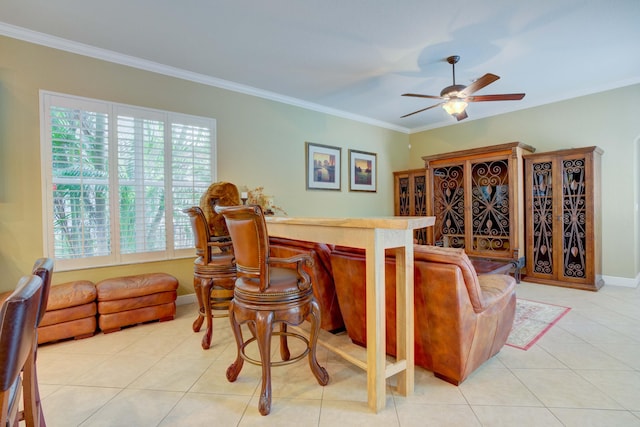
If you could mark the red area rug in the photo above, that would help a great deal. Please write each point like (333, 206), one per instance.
(533, 319)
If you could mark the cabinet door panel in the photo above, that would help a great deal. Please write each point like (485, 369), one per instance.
(404, 196)
(574, 219)
(448, 206)
(490, 206)
(420, 203)
(541, 174)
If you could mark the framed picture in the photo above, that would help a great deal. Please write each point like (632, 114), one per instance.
(362, 171)
(323, 167)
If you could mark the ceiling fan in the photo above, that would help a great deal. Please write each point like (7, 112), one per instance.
(455, 98)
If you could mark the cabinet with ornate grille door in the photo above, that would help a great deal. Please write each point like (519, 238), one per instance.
(409, 197)
(477, 198)
(563, 218)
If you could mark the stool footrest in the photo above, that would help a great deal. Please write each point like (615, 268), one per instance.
(294, 359)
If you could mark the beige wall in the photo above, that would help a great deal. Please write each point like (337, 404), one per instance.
(260, 143)
(610, 120)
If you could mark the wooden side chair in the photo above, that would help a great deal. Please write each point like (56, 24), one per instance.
(33, 414)
(265, 295)
(214, 272)
(18, 317)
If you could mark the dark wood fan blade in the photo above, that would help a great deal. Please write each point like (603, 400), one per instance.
(483, 81)
(420, 111)
(461, 116)
(502, 97)
(417, 95)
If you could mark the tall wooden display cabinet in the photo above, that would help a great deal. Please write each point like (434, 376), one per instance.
(477, 198)
(410, 197)
(563, 218)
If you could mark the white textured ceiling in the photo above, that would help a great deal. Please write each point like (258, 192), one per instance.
(355, 57)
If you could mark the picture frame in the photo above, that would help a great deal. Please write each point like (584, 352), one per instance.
(363, 173)
(323, 166)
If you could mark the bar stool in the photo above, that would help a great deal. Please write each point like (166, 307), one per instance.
(265, 295)
(214, 272)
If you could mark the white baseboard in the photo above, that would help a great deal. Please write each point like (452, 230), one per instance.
(622, 281)
(186, 299)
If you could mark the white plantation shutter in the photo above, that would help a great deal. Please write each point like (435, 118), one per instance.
(120, 177)
(141, 184)
(192, 161)
(80, 182)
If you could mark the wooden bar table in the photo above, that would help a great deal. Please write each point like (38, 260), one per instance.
(374, 234)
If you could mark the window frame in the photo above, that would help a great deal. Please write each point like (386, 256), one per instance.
(114, 111)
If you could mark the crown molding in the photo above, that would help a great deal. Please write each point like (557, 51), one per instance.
(143, 64)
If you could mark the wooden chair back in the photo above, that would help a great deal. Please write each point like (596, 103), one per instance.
(18, 317)
(248, 231)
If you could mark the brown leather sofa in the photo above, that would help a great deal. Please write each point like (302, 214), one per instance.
(321, 274)
(461, 319)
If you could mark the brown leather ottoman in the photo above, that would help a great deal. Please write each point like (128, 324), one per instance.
(124, 301)
(70, 313)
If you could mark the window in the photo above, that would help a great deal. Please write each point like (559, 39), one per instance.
(116, 179)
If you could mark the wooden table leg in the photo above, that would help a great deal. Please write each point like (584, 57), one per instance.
(404, 317)
(376, 326)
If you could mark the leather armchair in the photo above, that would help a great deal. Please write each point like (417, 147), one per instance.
(461, 319)
(321, 275)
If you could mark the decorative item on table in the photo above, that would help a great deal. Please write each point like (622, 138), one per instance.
(256, 196)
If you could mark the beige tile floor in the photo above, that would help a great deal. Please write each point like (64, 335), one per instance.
(584, 372)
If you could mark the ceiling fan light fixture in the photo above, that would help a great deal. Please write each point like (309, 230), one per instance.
(454, 106)
(455, 98)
